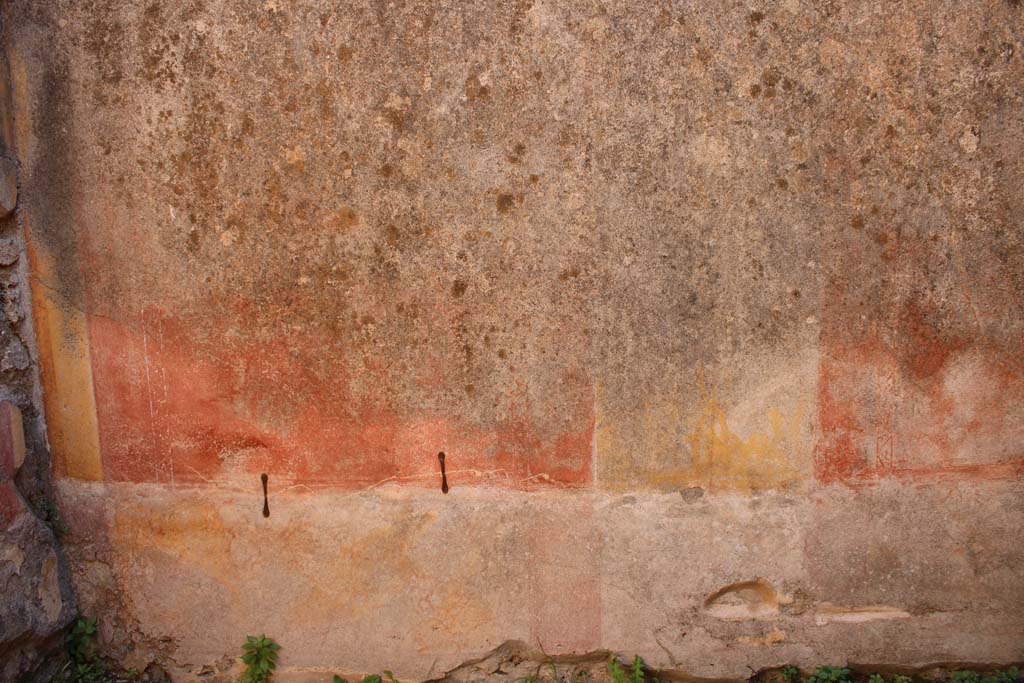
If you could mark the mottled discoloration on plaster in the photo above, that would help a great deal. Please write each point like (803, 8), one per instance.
(331, 241)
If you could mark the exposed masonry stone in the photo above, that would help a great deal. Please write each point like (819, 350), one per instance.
(8, 187)
(33, 610)
(10, 251)
(516, 661)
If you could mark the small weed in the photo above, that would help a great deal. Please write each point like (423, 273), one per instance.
(79, 639)
(966, 677)
(897, 678)
(832, 674)
(829, 674)
(1011, 675)
(372, 678)
(260, 657)
(86, 666)
(618, 674)
(616, 671)
(52, 519)
(636, 675)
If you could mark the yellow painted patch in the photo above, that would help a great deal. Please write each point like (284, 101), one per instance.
(196, 533)
(66, 373)
(61, 330)
(16, 99)
(667, 446)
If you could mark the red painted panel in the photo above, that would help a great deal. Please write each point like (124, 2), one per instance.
(173, 409)
(912, 386)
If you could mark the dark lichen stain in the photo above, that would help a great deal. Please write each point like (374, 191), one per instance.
(105, 41)
(193, 244)
(458, 288)
(770, 78)
(857, 222)
(516, 26)
(396, 118)
(692, 494)
(505, 202)
(346, 219)
(516, 155)
(475, 91)
(48, 189)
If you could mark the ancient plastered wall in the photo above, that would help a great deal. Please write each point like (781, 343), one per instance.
(714, 308)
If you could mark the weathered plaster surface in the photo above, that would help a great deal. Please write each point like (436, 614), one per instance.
(690, 295)
(424, 582)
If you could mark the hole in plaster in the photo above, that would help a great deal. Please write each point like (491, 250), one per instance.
(744, 600)
(444, 477)
(266, 503)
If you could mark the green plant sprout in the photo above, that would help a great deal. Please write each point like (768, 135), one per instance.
(86, 666)
(260, 658)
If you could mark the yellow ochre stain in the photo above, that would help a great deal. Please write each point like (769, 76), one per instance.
(724, 459)
(666, 446)
(66, 373)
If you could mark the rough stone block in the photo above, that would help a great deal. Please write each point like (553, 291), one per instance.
(8, 186)
(12, 440)
(11, 504)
